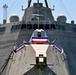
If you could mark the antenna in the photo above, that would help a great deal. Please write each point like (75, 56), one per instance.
(53, 8)
(22, 8)
(5, 13)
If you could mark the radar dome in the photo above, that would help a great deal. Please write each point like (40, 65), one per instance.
(62, 18)
(14, 18)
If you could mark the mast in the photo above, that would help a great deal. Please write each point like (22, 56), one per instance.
(46, 3)
(37, 1)
(29, 3)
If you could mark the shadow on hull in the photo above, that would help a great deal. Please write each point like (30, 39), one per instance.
(37, 71)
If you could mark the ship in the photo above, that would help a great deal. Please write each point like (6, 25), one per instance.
(38, 44)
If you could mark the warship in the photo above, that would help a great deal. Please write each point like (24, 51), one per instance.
(38, 45)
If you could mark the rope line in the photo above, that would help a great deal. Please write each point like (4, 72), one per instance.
(5, 64)
(66, 9)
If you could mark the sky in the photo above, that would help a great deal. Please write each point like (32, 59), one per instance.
(66, 7)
